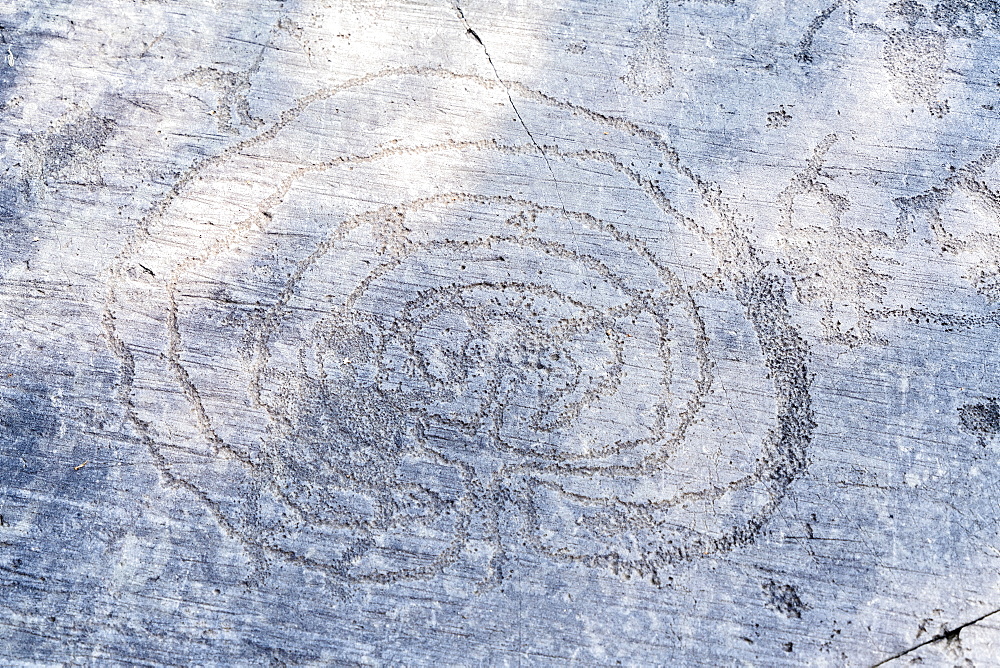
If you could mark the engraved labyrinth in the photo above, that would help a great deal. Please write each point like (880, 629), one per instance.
(393, 334)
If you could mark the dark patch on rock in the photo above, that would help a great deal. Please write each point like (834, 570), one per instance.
(64, 154)
(26, 422)
(779, 118)
(15, 234)
(69, 150)
(965, 18)
(980, 420)
(784, 599)
(955, 18)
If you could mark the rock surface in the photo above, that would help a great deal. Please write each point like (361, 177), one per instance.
(417, 333)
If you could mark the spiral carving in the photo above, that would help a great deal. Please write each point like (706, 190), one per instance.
(383, 350)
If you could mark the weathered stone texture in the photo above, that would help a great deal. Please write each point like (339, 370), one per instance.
(415, 333)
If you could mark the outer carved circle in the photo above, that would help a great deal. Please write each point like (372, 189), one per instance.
(386, 360)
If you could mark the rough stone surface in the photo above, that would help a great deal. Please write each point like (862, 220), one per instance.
(502, 333)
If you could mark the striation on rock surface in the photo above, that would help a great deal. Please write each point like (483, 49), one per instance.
(499, 333)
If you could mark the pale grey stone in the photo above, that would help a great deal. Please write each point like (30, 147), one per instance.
(500, 333)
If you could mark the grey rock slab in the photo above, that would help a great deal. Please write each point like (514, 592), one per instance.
(623, 333)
